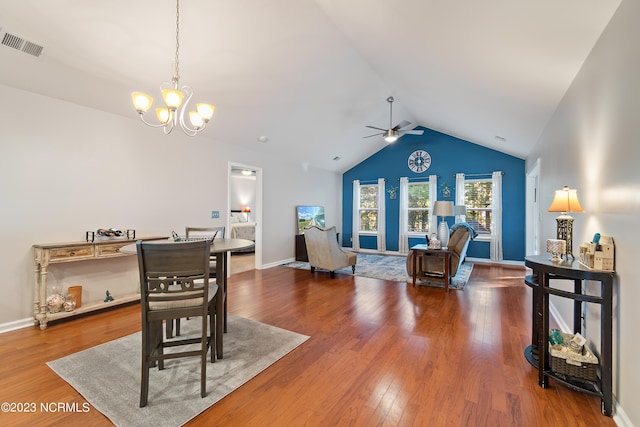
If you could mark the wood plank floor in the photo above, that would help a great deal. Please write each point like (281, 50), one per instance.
(380, 354)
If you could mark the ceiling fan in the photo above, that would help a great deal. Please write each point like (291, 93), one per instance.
(394, 132)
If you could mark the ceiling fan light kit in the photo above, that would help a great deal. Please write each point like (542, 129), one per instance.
(173, 96)
(394, 132)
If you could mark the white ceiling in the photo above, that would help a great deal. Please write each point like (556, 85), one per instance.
(310, 74)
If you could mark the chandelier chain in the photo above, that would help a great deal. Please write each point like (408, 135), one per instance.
(177, 73)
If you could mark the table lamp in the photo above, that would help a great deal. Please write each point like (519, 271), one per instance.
(247, 211)
(443, 209)
(565, 201)
(459, 211)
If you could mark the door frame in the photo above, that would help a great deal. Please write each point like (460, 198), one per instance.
(255, 211)
(532, 239)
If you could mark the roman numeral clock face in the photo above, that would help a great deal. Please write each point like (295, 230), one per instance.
(419, 161)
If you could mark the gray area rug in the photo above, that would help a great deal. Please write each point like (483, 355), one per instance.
(108, 375)
(390, 267)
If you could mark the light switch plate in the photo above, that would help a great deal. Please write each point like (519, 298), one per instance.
(215, 214)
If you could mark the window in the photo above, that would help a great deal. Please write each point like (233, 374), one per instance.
(419, 208)
(478, 198)
(369, 208)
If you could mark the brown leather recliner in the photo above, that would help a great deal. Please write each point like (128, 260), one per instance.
(458, 244)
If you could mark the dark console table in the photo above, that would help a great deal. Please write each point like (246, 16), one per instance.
(538, 352)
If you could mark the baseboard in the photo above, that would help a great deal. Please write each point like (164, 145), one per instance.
(16, 324)
(503, 263)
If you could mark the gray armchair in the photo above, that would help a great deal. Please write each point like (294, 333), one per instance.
(324, 252)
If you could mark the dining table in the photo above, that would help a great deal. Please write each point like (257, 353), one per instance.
(219, 248)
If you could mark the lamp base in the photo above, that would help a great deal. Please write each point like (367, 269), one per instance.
(443, 234)
(564, 231)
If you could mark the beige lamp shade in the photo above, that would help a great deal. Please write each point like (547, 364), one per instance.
(461, 210)
(205, 111)
(443, 208)
(196, 119)
(163, 115)
(565, 200)
(141, 101)
(172, 97)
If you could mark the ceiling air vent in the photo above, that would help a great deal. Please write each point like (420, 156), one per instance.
(18, 43)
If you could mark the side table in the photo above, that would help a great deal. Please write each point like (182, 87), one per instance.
(422, 251)
(537, 354)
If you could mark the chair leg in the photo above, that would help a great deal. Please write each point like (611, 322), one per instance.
(313, 269)
(151, 339)
(353, 269)
(203, 359)
(332, 274)
(169, 328)
(212, 330)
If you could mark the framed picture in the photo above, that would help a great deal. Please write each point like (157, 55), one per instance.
(309, 215)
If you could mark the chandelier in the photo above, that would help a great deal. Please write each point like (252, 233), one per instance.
(172, 114)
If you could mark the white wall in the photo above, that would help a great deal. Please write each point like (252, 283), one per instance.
(592, 144)
(242, 192)
(66, 169)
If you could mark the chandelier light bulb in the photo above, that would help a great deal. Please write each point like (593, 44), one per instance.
(205, 111)
(173, 98)
(196, 119)
(141, 101)
(163, 114)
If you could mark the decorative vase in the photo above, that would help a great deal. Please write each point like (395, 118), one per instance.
(76, 293)
(434, 243)
(55, 300)
(70, 303)
(443, 234)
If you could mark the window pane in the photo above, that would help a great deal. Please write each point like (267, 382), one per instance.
(368, 220)
(479, 220)
(369, 196)
(419, 221)
(419, 195)
(477, 194)
(478, 198)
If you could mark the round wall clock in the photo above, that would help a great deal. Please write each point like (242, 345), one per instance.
(419, 161)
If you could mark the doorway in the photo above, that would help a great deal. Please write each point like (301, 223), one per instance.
(245, 202)
(533, 211)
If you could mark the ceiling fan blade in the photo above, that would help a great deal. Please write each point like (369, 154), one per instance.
(375, 134)
(402, 124)
(411, 132)
(373, 127)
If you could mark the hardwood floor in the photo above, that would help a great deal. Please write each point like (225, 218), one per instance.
(380, 354)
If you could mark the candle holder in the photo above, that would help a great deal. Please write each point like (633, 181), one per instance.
(556, 247)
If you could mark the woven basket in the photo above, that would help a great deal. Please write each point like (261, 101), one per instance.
(567, 362)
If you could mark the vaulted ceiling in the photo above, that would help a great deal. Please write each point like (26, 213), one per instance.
(309, 75)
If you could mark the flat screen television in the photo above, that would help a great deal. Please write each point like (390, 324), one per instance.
(309, 215)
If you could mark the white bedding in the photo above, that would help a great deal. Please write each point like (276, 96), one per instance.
(243, 230)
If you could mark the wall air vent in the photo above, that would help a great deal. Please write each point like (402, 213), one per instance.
(18, 43)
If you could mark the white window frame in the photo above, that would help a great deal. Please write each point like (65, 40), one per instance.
(482, 237)
(428, 209)
(376, 210)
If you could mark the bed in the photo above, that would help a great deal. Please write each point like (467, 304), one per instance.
(241, 228)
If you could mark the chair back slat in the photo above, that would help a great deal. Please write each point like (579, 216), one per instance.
(173, 271)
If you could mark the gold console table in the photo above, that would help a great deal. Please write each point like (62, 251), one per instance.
(54, 253)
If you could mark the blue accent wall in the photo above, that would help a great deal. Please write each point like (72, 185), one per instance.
(449, 155)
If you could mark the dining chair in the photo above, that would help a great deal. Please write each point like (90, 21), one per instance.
(206, 232)
(174, 283)
(199, 233)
